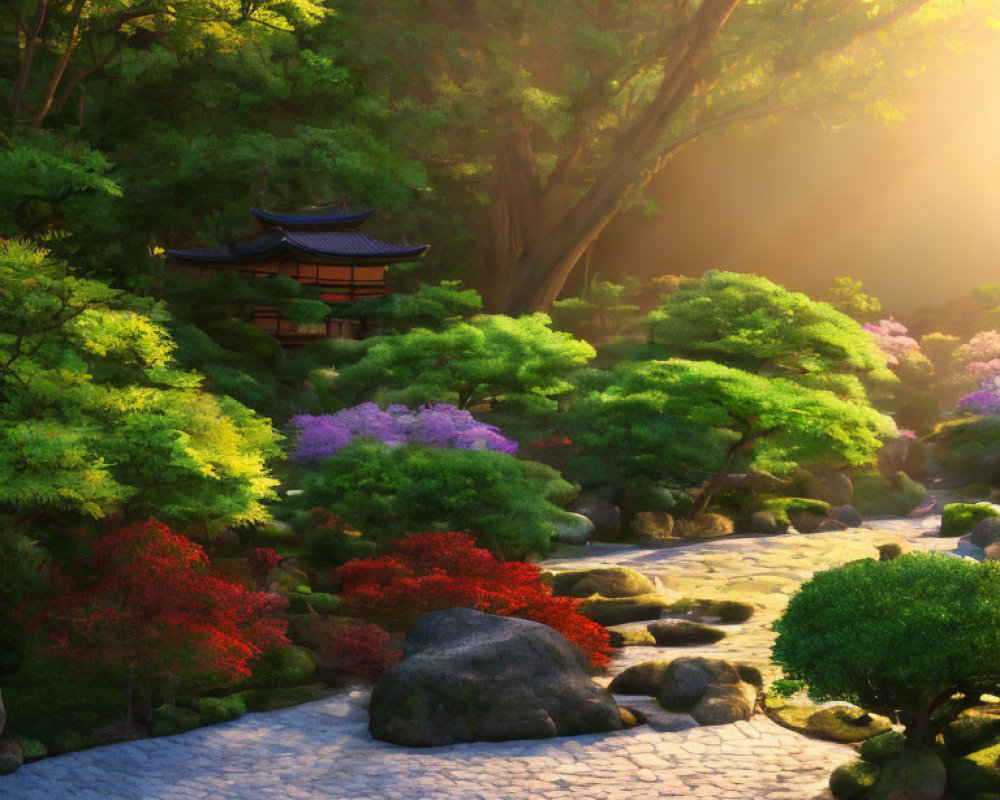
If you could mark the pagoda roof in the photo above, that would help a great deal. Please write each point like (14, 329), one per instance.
(313, 218)
(344, 247)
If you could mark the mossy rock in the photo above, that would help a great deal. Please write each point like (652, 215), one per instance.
(704, 526)
(853, 781)
(975, 773)
(733, 611)
(673, 633)
(274, 699)
(913, 775)
(842, 722)
(214, 710)
(618, 610)
(883, 748)
(282, 666)
(781, 507)
(635, 637)
(960, 518)
(646, 678)
(324, 602)
(971, 731)
(611, 582)
(171, 720)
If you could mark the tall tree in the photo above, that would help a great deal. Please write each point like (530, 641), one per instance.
(554, 115)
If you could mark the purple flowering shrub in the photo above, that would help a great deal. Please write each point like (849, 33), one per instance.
(985, 402)
(438, 425)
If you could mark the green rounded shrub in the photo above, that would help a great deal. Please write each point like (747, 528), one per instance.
(324, 603)
(903, 634)
(221, 709)
(853, 781)
(958, 519)
(282, 666)
(170, 720)
(882, 749)
(874, 496)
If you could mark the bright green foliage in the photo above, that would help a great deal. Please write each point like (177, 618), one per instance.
(878, 496)
(748, 322)
(960, 518)
(600, 310)
(904, 634)
(506, 503)
(781, 506)
(847, 296)
(95, 417)
(683, 420)
(214, 710)
(468, 362)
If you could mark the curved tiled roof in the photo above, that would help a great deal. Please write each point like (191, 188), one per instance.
(319, 216)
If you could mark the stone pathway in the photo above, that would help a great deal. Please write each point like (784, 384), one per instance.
(322, 750)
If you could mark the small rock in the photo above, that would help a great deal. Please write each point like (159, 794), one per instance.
(887, 552)
(710, 688)
(849, 515)
(653, 526)
(603, 581)
(914, 775)
(630, 718)
(607, 518)
(618, 610)
(11, 757)
(722, 705)
(835, 722)
(646, 679)
(682, 632)
(831, 525)
(704, 610)
(985, 532)
(633, 637)
(576, 529)
(806, 521)
(764, 522)
(992, 552)
(853, 781)
(704, 526)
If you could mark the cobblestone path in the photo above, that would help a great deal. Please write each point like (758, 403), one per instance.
(322, 750)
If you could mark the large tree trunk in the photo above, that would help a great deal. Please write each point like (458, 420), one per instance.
(536, 236)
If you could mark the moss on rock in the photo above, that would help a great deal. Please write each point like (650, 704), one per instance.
(854, 780)
(960, 518)
(618, 610)
(975, 773)
(883, 748)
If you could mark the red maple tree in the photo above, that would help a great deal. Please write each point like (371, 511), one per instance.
(145, 602)
(432, 571)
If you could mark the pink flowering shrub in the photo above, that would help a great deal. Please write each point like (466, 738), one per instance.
(439, 425)
(892, 339)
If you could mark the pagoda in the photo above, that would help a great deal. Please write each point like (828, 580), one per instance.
(319, 248)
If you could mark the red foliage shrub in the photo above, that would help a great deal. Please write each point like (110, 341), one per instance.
(146, 601)
(432, 571)
(262, 560)
(361, 650)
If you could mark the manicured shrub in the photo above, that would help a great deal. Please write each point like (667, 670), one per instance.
(214, 710)
(969, 448)
(507, 504)
(432, 571)
(960, 518)
(323, 602)
(170, 720)
(901, 635)
(874, 496)
(282, 666)
(780, 507)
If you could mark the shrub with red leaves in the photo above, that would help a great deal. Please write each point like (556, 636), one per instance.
(362, 650)
(432, 571)
(146, 601)
(262, 560)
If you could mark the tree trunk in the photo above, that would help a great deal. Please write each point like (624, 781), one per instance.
(714, 484)
(28, 56)
(626, 509)
(536, 236)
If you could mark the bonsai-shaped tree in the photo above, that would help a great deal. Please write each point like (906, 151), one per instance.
(898, 637)
(684, 420)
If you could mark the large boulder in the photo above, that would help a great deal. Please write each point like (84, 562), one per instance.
(607, 518)
(853, 781)
(976, 773)
(834, 488)
(914, 775)
(603, 581)
(574, 529)
(645, 678)
(764, 521)
(676, 632)
(972, 730)
(712, 690)
(703, 526)
(468, 676)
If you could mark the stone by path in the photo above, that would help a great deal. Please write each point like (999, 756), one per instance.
(322, 750)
